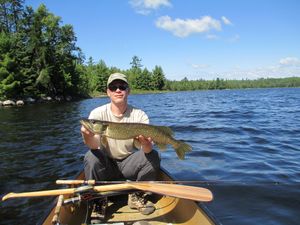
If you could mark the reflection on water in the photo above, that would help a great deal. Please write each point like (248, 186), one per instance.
(245, 148)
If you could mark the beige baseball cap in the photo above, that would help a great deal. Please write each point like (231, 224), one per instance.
(117, 76)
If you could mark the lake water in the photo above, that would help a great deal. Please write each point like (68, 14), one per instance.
(246, 149)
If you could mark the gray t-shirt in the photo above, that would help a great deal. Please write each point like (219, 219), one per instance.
(119, 149)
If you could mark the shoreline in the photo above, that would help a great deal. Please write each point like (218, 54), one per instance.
(29, 101)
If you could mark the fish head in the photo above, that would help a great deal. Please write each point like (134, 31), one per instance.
(94, 126)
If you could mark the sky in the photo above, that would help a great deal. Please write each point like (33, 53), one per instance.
(196, 39)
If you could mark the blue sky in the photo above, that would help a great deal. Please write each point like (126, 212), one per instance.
(196, 39)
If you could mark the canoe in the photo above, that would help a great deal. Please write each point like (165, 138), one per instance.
(169, 210)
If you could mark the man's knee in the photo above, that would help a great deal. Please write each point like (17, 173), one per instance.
(93, 157)
(154, 159)
(93, 165)
(151, 168)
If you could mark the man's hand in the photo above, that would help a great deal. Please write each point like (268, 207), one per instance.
(146, 143)
(89, 138)
(86, 132)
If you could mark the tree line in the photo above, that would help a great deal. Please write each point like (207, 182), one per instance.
(140, 79)
(185, 84)
(39, 57)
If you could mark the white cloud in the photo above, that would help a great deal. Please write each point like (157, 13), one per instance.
(226, 21)
(154, 4)
(262, 72)
(199, 66)
(212, 72)
(144, 7)
(274, 71)
(208, 72)
(183, 28)
(289, 61)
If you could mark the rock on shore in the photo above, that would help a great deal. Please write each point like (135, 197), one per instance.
(29, 100)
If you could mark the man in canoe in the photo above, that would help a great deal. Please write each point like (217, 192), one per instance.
(112, 159)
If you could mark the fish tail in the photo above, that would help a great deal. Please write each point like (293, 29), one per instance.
(181, 148)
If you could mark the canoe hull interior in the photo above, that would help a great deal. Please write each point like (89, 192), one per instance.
(169, 210)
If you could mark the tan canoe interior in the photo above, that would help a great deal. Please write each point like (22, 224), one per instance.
(169, 211)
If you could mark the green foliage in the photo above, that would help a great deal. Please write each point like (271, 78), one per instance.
(43, 78)
(132, 75)
(97, 75)
(158, 78)
(102, 74)
(143, 80)
(10, 15)
(43, 54)
(136, 62)
(83, 81)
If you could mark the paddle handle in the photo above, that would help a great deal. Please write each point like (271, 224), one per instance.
(102, 188)
(39, 193)
(89, 182)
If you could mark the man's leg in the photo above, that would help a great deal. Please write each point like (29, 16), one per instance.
(98, 166)
(140, 166)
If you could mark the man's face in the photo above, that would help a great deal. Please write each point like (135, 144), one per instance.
(118, 91)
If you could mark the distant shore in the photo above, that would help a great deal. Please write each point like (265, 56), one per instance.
(29, 100)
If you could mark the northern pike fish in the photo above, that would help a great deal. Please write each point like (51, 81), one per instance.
(161, 135)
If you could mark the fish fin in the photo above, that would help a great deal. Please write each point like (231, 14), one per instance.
(104, 141)
(181, 148)
(161, 146)
(166, 130)
(137, 143)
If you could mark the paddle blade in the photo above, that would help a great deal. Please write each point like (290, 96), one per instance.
(175, 190)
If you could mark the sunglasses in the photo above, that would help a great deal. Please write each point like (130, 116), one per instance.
(121, 87)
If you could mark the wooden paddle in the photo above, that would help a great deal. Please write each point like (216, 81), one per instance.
(178, 191)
